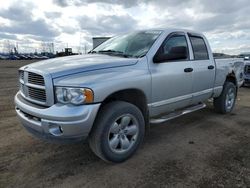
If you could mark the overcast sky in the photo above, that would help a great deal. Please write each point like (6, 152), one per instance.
(226, 23)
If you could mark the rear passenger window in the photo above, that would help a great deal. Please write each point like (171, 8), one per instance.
(199, 48)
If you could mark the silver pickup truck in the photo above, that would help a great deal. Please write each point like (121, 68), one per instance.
(111, 95)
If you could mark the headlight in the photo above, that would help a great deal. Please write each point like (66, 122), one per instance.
(74, 96)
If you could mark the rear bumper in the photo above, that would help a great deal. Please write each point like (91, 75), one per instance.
(58, 123)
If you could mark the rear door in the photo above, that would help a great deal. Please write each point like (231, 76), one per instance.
(204, 69)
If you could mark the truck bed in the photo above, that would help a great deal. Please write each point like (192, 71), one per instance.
(223, 66)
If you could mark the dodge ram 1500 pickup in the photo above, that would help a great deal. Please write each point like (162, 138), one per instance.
(110, 96)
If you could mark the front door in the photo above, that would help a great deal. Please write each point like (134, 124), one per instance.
(172, 78)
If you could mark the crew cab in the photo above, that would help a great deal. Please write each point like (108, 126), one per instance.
(110, 96)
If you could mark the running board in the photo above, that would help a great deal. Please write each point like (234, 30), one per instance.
(176, 114)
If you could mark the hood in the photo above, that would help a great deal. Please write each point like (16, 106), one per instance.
(79, 63)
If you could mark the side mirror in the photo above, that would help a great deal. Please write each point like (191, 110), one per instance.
(176, 53)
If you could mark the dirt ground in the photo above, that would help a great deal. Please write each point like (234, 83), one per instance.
(203, 149)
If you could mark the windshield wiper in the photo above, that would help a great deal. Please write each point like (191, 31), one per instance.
(142, 55)
(114, 52)
(110, 51)
(92, 52)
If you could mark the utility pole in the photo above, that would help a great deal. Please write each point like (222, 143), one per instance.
(52, 46)
(17, 47)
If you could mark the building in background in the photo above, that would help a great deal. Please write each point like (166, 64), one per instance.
(99, 40)
(245, 55)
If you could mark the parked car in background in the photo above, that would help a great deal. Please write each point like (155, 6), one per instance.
(247, 72)
(3, 57)
(44, 57)
(14, 57)
(41, 57)
(23, 57)
(111, 95)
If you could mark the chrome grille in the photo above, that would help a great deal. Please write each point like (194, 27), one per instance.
(21, 87)
(32, 87)
(37, 94)
(21, 75)
(36, 79)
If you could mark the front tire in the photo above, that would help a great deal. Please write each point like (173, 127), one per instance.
(226, 101)
(118, 131)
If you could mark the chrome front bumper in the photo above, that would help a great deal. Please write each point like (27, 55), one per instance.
(63, 123)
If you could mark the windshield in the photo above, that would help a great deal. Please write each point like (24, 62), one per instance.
(134, 44)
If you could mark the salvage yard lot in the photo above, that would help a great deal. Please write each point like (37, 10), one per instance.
(202, 149)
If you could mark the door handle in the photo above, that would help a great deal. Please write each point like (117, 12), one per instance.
(188, 70)
(210, 67)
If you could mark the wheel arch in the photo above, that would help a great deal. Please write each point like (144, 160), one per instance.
(231, 77)
(133, 96)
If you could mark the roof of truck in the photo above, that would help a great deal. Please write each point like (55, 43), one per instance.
(170, 30)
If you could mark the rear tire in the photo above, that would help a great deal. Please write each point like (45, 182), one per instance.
(118, 131)
(226, 101)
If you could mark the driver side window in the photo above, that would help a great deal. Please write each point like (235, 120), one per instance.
(174, 48)
(175, 41)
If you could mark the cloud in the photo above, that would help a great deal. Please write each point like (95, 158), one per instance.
(18, 12)
(126, 3)
(36, 28)
(107, 25)
(65, 3)
(68, 29)
(7, 36)
(224, 22)
(224, 6)
(53, 14)
(22, 22)
(168, 3)
(61, 3)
